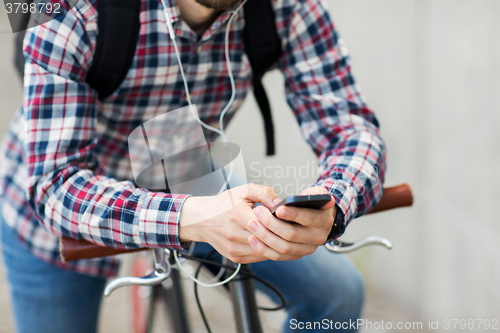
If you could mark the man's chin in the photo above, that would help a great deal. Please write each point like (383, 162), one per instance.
(218, 4)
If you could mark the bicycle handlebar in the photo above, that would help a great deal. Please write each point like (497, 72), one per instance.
(71, 249)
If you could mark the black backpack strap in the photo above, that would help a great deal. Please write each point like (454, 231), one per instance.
(18, 53)
(265, 110)
(263, 48)
(18, 42)
(119, 26)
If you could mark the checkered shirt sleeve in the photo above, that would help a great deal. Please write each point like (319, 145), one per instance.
(330, 109)
(66, 188)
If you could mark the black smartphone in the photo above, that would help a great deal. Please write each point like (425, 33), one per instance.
(314, 201)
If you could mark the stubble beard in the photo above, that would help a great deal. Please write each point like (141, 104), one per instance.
(219, 5)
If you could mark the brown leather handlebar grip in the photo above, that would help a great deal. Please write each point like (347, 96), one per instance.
(72, 249)
(394, 197)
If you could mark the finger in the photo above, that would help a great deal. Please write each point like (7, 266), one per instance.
(251, 257)
(277, 243)
(237, 230)
(242, 218)
(262, 194)
(317, 218)
(319, 190)
(232, 242)
(314, 190)
(290, 231)
(268, 252)
(246, 254)
(241, 215)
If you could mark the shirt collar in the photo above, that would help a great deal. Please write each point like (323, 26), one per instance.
(174, 12)
(172, 9)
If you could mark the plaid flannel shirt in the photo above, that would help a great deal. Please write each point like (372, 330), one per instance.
(65, 168)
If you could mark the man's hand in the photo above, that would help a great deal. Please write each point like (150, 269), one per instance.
(222, 220)
(276, 239)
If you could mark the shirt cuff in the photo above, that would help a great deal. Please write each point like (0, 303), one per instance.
(159, 220)
(344, 195)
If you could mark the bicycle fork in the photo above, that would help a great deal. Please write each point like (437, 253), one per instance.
(244, 303)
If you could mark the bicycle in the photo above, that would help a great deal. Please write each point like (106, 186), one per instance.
(241, 288)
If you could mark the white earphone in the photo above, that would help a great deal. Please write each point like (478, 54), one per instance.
(220, 131)
(231, 79)
(228, 64)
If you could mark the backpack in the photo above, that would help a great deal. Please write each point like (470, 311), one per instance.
(119, 18)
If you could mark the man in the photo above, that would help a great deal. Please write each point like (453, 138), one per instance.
(65, 167)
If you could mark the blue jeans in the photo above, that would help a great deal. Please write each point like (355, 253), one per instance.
(48, 299)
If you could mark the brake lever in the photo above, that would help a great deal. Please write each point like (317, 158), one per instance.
(160, 274)
(337, 246)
